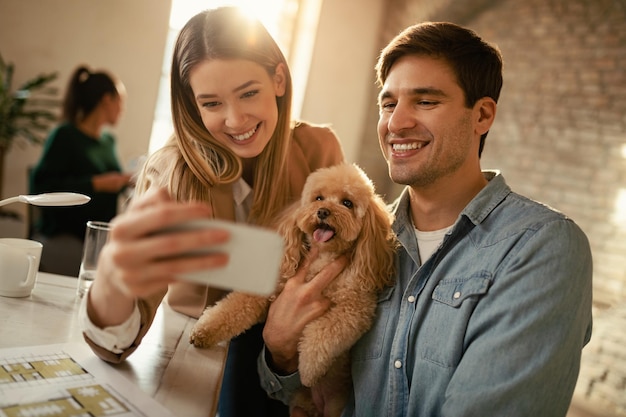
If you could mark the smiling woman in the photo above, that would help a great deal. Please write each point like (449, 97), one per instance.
(236, 155)
(278, 16)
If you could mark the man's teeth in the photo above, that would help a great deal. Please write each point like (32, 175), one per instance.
(244, 136)
(407, 146)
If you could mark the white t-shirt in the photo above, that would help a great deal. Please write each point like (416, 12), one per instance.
(428, 242)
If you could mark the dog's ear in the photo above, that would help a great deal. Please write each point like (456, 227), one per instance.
(374, 256)
(293, 240)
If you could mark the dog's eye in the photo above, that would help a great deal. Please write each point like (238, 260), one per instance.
(348, 203)
(319, 198)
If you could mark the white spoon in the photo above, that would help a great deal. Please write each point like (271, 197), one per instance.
(49, 199)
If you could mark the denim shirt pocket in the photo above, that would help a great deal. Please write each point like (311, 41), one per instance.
(452, 303)
(454, 291)
(370, 345)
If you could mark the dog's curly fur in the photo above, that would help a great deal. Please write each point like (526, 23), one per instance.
(339, 213)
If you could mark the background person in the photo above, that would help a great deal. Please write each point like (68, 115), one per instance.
(235, 155)
(79, 156)
(492, 303)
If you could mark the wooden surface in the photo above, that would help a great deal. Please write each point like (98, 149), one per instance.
(186, 380)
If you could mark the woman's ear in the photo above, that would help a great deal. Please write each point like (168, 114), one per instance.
(485, 114)
(107, 99)
(280, 80)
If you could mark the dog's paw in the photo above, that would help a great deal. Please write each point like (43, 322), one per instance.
(310, 373)
(201, 337)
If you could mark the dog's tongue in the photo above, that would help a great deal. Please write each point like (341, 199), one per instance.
(323, 235)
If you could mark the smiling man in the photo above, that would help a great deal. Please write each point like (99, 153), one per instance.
(492, 301)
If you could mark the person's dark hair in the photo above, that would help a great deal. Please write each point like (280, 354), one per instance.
(84, 91)
(476, 63)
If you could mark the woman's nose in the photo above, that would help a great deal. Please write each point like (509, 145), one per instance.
(235, 117)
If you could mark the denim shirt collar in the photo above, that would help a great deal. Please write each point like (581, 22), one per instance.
(476, 211)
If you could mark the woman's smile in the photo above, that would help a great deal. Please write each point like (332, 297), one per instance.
(241, 137)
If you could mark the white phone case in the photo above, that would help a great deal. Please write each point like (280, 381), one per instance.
(255, 256)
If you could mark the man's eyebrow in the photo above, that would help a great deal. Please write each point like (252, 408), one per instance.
(431, 91)
(383, 95)
(419, 91)
(237, 89)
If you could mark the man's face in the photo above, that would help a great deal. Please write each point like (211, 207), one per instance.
(425, 131)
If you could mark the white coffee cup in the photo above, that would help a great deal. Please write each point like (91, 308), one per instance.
(19, 263)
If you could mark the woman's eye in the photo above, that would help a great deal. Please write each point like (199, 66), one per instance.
(211, 104)
(348, 203)
(251, 93)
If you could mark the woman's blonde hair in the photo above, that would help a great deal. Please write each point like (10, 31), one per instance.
(226, 33)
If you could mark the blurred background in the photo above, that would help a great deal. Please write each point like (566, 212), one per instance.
(559, 136)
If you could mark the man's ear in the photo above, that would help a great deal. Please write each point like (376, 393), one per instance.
(280, 80)
(485, 114)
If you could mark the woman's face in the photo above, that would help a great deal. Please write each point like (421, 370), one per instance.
(113, 105)
(237, 102)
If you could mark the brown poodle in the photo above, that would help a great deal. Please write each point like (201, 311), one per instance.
(340, 214)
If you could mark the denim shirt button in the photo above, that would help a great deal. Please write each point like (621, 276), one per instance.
(457, 295)
(411, 299)
(397, 364)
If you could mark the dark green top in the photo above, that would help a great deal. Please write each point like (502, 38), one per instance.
(69, 160)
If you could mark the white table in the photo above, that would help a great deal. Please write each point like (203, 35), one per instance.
(182, 378)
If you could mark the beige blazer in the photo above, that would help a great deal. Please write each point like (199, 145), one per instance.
(313, 147)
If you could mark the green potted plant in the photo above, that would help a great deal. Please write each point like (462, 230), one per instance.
(27, 113)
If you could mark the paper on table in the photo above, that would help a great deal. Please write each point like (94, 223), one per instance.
(58, 380)
(255, 256)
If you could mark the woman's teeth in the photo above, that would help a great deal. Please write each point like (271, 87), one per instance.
(244, 136)
(407, 146)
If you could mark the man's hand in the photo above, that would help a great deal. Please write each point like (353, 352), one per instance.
(298, 304)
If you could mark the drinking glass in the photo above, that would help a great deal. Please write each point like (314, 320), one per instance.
(95, 237)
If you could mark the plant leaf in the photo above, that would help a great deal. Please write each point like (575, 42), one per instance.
(28, 112)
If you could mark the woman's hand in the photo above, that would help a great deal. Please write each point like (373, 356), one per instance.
(298, 304)
(139, 262)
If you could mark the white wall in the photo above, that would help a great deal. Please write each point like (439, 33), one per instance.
(125, 37)
(342, 68)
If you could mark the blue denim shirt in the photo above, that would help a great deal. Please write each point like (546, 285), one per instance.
(492, 324)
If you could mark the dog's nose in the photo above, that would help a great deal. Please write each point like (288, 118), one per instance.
(323, 213)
